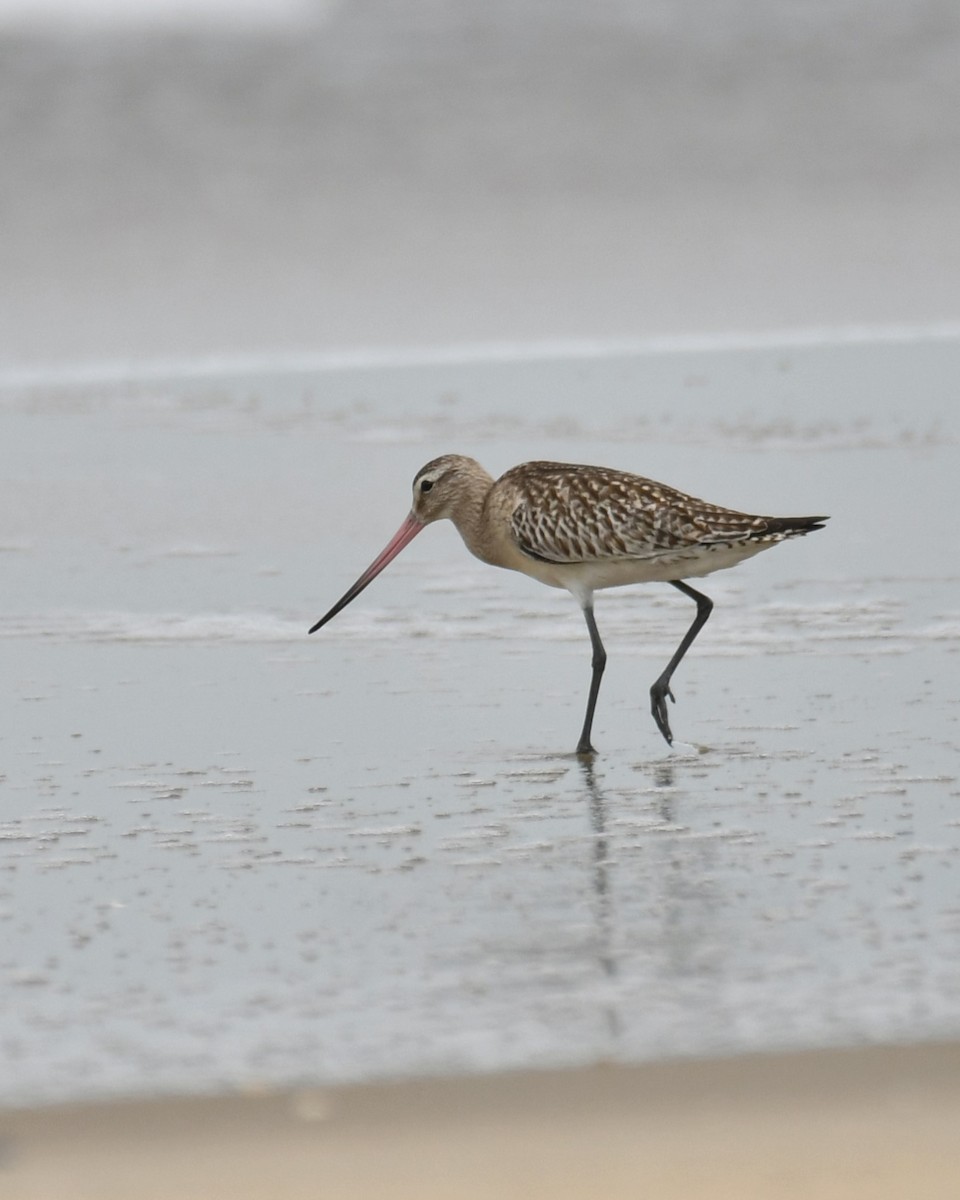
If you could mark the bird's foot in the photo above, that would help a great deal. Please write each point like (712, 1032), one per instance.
(585, 750)
(658, 706)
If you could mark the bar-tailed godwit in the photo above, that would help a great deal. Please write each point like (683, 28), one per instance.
(583, 529)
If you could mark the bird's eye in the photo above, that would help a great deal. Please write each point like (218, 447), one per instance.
(426, 485)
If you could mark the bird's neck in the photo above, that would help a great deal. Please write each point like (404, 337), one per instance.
(469, 514)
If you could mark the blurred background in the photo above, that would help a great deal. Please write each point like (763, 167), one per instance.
(206, 177)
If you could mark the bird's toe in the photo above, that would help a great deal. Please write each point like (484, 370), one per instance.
(658, 706)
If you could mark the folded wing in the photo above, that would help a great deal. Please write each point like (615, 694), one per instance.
(566, 513)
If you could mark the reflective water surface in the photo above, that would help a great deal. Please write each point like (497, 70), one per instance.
(231, 854)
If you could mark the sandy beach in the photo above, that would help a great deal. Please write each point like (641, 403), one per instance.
(854, 1124)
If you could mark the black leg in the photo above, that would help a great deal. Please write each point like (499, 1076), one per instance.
(598, 663)
(661, 689)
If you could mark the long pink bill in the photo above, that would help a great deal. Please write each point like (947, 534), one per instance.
(404, 535)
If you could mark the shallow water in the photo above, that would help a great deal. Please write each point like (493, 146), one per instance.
(232, 854)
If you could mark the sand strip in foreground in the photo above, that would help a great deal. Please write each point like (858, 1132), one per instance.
(876, 1123)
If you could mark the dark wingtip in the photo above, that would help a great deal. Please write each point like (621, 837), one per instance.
(794, 525)
(810, 524)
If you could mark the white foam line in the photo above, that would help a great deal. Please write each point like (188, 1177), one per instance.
(152, 627)
(789, 629)
(473, 353)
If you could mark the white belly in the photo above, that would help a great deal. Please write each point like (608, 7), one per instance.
(585, 577)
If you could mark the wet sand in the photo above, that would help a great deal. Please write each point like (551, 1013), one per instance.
(233, 857)
(863, 1124)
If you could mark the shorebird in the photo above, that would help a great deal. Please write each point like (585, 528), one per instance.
(584, 529)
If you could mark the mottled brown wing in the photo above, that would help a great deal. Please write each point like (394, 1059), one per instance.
(568, 513)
